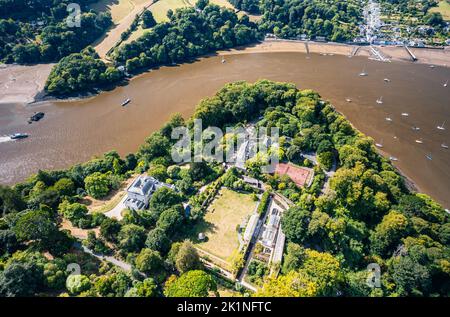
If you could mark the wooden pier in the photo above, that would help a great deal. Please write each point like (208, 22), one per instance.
(413, 57)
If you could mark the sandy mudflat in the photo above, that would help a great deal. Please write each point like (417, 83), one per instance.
(426, 56)
(20, 84)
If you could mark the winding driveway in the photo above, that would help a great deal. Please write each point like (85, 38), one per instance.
(116, 212)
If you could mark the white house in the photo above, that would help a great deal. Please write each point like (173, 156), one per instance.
(141, 190)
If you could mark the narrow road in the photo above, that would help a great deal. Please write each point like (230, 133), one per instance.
(328, 175)
(119, 263)
(114, 35)
(116, 212)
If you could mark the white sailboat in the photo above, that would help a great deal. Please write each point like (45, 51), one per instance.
(441, 127)
(444, 146)
(445, 84)
(387, 80)
(223, 60)
(348, 100)
(380, 100)
(380, 145)
(405, 114)
(389, 119)
(393, 158)
(420, 141)
(363, 73)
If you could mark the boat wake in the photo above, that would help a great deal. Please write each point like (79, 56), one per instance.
(5, 139)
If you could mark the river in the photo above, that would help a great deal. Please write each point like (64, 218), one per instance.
(75, 131)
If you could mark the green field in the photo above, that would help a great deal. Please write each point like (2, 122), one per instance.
(227, 211)
(119, 8)
(444, 8)
(160, 8)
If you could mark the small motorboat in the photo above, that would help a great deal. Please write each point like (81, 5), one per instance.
(419, 141)
(389, 119)
(348, 100)
(223, 60)
(380, 100)
(432, 66)
(393, 158)
(405, 114)
(387, 80)
(380, 145)
(125, 102)
(17, 136)
(415, 128)
(444, 146)
(36, 116)
(428, 156)
(441, 127)
(445, 84)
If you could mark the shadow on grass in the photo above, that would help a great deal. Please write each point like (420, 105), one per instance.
(199, 226)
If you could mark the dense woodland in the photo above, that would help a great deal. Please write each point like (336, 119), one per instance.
(189, 33)
(250, 6)
(81, 72)
(367, 216)
(336, 20)
(35, 31)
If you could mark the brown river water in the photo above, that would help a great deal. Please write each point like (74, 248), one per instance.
(75, 131)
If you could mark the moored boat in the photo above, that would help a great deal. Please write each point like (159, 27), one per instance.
(126, 102)
(37, 116)
(17, 136)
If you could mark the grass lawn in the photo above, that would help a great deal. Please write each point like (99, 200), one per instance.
(444, 8)
(160, 8)
(227, 211)
(222, 3)
(118, 8)
(109, 204)
(110, 201)
(135, 35)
